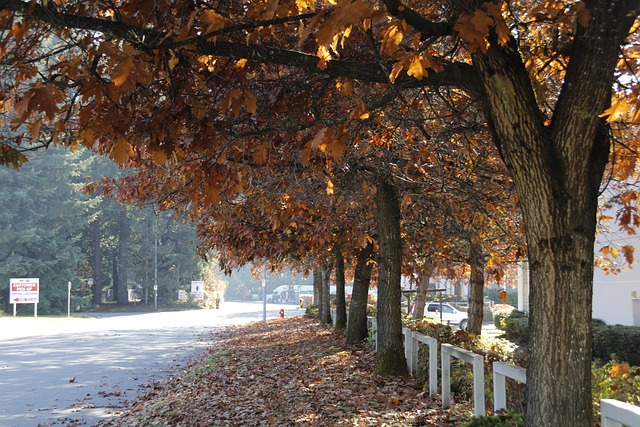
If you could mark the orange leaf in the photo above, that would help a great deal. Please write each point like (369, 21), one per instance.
(214, 20)
(417, 68)
(159, 157)
(121, 151)
(306, 4)
(260, 155)
(628, 252)
(122, 71)
(250, 102)
(336, 149)
(474, 28)
(329, 187)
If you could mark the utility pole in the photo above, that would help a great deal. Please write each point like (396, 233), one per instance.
(69, 300)
(155, 263)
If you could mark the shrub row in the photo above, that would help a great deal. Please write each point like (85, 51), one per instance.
(619, 342)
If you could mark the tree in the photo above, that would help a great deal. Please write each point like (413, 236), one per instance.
(39, 234)
(543, 73)
(358, 327)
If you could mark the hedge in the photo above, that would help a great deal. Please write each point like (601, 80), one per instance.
(618, 340)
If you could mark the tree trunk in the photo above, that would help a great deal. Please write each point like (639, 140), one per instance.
(476, 288)
(390, 358)
(341, 305)
(357, 328)
(114, 279)
(123, 257)
(423, 287)
(317, 289)
(325, 313)
(557, 167)
(97, 261)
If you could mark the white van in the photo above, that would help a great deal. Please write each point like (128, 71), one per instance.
(447, 313)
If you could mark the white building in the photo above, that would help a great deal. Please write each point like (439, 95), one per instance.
(616, 297)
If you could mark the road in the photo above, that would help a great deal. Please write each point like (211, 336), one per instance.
(78, 371)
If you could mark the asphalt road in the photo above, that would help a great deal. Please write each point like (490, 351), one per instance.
(78, 371)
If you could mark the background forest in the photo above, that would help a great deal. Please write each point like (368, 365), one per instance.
(53, 230)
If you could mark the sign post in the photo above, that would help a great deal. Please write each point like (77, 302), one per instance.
(24, 291)
(197, 289)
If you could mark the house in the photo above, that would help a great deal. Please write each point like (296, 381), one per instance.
(616, 297)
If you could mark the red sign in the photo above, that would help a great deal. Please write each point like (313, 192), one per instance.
(24, 291)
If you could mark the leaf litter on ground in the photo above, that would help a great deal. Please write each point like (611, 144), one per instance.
(286, 372)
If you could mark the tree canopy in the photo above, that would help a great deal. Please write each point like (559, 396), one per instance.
(219, 96)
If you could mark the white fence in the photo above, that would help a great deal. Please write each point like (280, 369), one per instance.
(477, 361)
(502, 371)
(415, 339)
(614, 413)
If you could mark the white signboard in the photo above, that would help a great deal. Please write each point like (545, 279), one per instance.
(197, 289)
(23, 291)
(182, 294)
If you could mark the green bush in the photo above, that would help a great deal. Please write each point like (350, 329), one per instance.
(516, 328)
(312, 311)
(623, 341)
(615, 380)
(501, 314)
(504, 419)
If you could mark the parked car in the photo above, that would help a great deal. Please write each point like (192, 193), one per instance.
(447, 314)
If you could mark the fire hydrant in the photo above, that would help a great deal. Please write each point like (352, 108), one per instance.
(282, 312)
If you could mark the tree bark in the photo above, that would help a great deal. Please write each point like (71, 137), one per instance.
(325, 314)
(122, 293)
(557, 168)
(423, 287)
(476, 294)
(341, 305)
(317, 288)
(357, 327)
(390, 358)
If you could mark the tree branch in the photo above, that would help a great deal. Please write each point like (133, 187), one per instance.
(417, 21)
(455, 74)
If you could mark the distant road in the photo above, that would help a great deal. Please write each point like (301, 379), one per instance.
(60, 372)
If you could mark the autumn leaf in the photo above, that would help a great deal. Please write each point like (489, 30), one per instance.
(336, 149)
(473, 28)
(392, 37)
(323, 383)
(122, 71)
(211, 195)
(305, 4)
(214, 20)
(260, 154)
(34, 129)
(501, 28)
(250, 102)
(329, 187)
(628, 252)
(232, 102)
(159, 157)
(417, 68)
(173, 60)
(122, 151)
